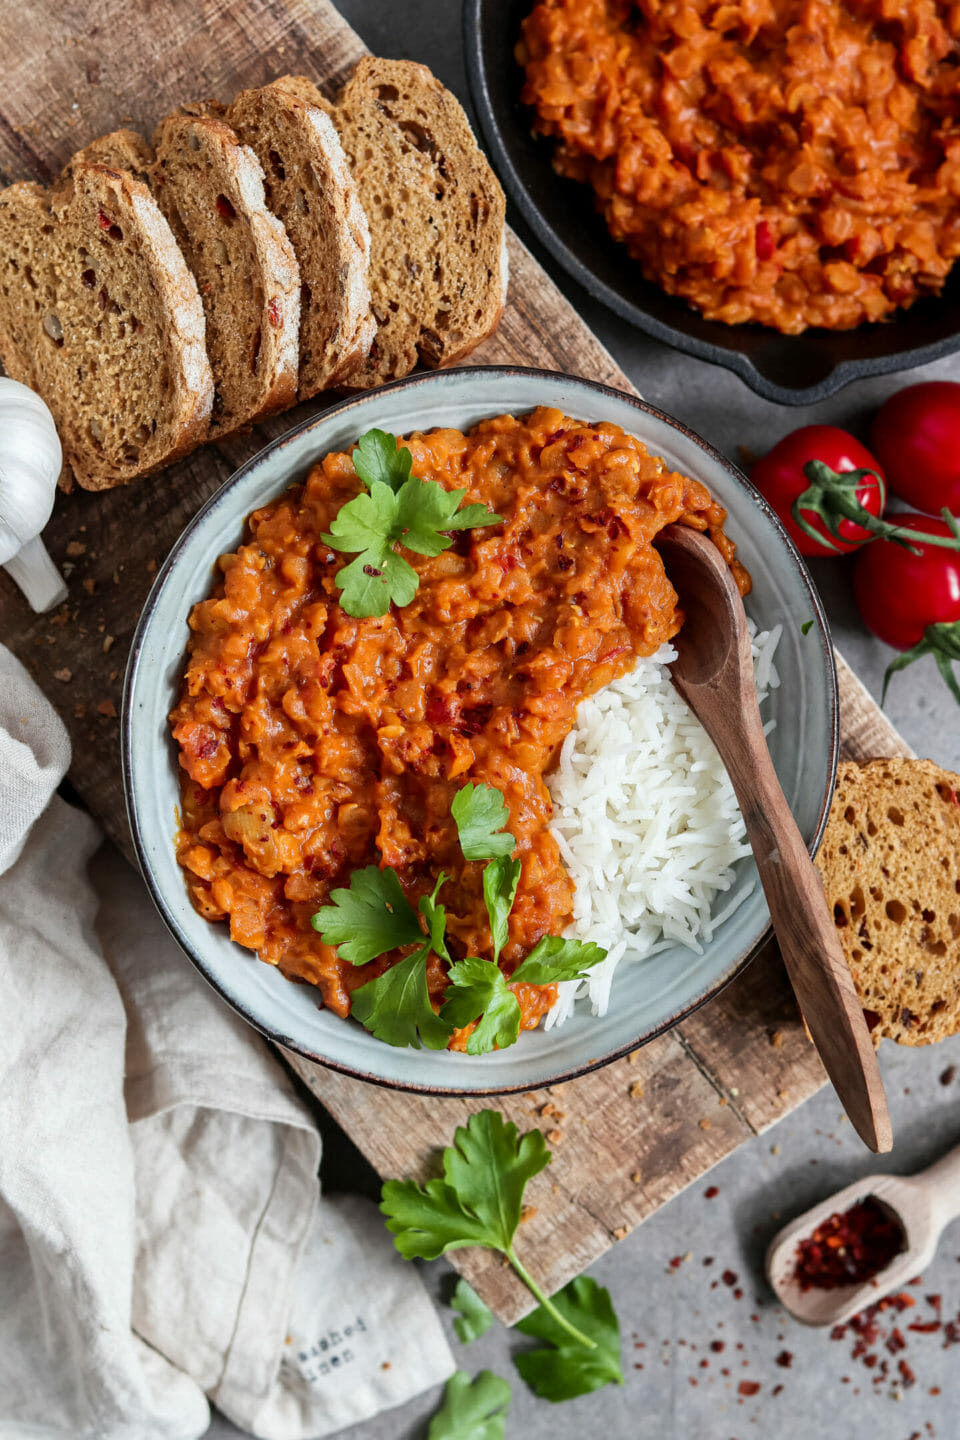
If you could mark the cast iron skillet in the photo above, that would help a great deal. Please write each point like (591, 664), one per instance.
(790, 369)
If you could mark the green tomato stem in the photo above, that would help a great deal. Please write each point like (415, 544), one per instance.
(547, 1304)
(832, 495)
(942, 641)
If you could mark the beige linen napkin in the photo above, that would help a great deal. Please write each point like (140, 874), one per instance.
(162, 1239)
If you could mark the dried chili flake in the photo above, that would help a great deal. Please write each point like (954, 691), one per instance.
(748, 1387)
(711, 1192)
(849, 1249)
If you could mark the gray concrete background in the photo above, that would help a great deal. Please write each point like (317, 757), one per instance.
(675, 1315)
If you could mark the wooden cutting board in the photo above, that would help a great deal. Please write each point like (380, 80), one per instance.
(626, 1138)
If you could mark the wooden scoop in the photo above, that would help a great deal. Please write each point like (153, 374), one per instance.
(922, 1203)
(714, 674)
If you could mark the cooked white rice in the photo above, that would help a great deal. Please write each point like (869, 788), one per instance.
(646, 821)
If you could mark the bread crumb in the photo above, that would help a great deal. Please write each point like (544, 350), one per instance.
(89, 585)
(636, 1090)
(636, 1177)
(554, 1136)
(776, 1038)
(620, 1233)
(705, 1125)
(527, 1213)
(107, 643)
(65, 675)
(632, 1057)
(75, 548)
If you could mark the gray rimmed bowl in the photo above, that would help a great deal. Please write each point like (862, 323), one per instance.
(648, 996)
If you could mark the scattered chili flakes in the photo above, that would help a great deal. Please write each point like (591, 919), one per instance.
(748, 1387)
(711, 1192)
(785, 1359)
(107, 708)
(89, 585)
(948, 1076)
(729, 1277)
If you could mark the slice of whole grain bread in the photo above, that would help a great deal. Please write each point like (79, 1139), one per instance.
(210, 188)
(890, 864)
(310, 188)
(438, 271)
(100, 315)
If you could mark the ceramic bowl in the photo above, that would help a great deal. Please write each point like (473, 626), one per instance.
(648, 995)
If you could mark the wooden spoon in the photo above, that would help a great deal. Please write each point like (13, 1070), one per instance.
(922, 1203)
(713, 673)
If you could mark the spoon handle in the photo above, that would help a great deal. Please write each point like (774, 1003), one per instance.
(807, 937)
(942, 1180)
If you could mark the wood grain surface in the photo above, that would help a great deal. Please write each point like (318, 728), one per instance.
(626, 1138)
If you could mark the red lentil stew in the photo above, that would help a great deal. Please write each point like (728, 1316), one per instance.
(791, 162)
(313, 743)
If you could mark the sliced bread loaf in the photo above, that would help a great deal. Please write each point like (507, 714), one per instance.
(890, 864)
(210, 188)
(310, 188)
(100, 315)
(438, 271)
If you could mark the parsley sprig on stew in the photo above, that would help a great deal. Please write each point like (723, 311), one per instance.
(373, 917)
(397, 509)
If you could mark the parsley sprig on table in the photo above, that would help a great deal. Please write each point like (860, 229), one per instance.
(373, 917)
(479, 1201)
(397, 509)
(472, 1409)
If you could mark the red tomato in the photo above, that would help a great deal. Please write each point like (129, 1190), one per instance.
(780, 478)
(899, 594)
(916, 434)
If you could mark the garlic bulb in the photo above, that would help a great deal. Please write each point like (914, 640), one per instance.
(30, 461)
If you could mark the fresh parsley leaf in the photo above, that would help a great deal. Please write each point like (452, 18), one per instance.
(426, 509)
(397, 509)
(370, 918)
(500, 880)
(481, 815)
(565, 1370)
(478, 987)
(436, 918)
(472, 1409)
(475, 1318)
(478, 1201)
(554, 959)
(806, 627)
(396, 1005)
(369, 583)
(377, 458)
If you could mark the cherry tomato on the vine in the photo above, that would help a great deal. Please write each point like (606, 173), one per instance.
(916, 436)
(781, 478)
(900, 594)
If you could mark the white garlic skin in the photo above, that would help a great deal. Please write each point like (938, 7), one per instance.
(30, 464)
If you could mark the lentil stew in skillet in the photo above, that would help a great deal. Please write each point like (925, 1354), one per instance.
(313, 743)
(790, 162)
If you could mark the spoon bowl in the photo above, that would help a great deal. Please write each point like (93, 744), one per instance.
(713, 672)
(922, 1204)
